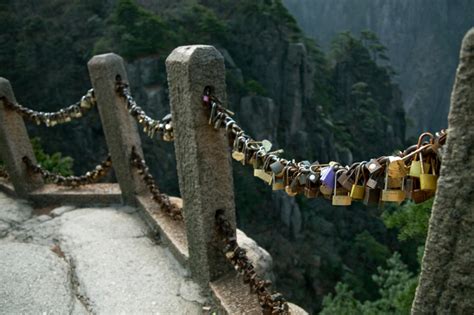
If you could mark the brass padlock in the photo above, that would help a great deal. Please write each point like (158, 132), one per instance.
(237, 154)
(357, 190)
(392, 195)
(428, 181)
(415, 167)
(262, 173)
(396, 167)
(340, 200)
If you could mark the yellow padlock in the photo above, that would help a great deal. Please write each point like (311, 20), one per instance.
(340, 200)
(392, 195)
(358, 191)
(428, 181)
(415, 167)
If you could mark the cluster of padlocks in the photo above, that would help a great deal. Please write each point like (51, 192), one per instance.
(151, 127)
(411, 174)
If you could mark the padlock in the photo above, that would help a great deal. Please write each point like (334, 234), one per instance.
(373, 166)
(277, 182)
(428, 181)
(371, 196)
(392, 195)
(327, 176)
(288, 177)
(415, 167)
(345, 178)
(340, 200)
(357, 190)
(396, 167)
(311, 189)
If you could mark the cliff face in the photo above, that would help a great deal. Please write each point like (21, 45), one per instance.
(422, 38)
(280, 86)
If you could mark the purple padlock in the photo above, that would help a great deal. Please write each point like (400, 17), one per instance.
(328, 176)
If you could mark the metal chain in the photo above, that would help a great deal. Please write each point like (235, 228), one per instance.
(271, 303)
(307, 176)
(152, 127)
(163, 200)
(51, 119)
(71, 181)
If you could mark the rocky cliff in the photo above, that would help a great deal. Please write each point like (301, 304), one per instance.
(422, 38)
(281, 86)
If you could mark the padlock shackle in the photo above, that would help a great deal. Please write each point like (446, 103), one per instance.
(335, 181)
(423, 135)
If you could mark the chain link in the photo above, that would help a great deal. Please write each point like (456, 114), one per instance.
(271, 303)
(71, 181)
(161, 199)
(152, 127)
(51, 119)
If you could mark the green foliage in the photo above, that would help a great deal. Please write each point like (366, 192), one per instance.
(52, 162)
(411, 220)
(366, 254)
(396, 286)
(197, 24)
(134, 32)
(362, 90)
(255, 88)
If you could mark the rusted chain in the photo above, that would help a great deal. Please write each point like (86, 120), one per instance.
(304, 177)
(271, 303)
(51, 119)
(71, 181)
(163, 128)
(162, 199)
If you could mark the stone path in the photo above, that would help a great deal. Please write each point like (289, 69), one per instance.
(91, 260)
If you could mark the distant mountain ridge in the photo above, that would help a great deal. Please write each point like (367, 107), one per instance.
(423, 39)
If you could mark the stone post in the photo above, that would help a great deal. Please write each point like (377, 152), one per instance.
(447, 274)
(202, 154)
(121, 133)
(15, 144)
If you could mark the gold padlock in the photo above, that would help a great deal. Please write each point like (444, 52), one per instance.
(392, 195)
(396, 167)
(357, 191)
(428, 181)
(340, 200)
(415, 167)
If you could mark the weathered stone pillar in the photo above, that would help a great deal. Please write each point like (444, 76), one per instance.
(120, 129)
(447, 276)
(202, 153)
(15, 144)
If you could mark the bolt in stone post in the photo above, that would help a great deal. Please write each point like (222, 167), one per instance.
(121, 133)
(15, 144)
(202, 154)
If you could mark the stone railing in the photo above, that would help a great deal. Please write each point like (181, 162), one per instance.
(203, 163)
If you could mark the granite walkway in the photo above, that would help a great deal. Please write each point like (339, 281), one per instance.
(87, 261)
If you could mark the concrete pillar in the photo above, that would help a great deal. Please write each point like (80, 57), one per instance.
(15, 144)
(121, 133)
(202, 154)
